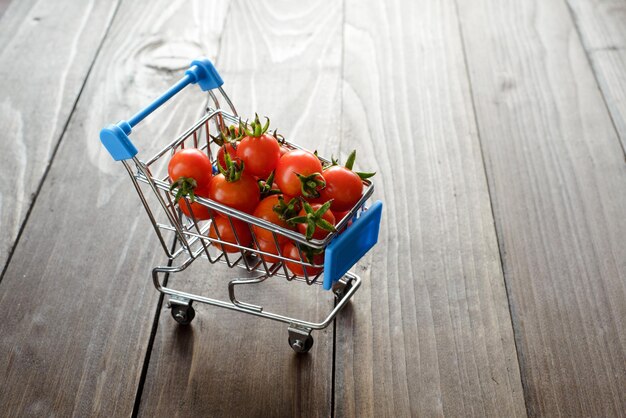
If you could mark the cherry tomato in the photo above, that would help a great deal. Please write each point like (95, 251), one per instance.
(191, 163)
(344, 186)
(340, 215)
(268, 247)
(227, 233)
(220, 154)
(283, 150)
(200, 212)
(319, 233)
(303, 163)
(265, 210)
(286, 197)
(259, 154)
(242, 194)
(290, 251)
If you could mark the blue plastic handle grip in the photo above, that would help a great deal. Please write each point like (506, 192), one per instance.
(115, 137)
(344, 251)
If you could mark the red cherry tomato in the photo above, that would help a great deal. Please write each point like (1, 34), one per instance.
(319, 233)
(344, 186)
(296, 161)
(191, 163)
(268, 247)
(227, 233)
(340, 215)
(242, 194)
(265, 210)
(200, 212)
(283, 150)
(290, 251)
(220, 154)
(286, 197)
(259, 154)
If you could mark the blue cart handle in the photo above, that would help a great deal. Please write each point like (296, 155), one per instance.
(115, 137)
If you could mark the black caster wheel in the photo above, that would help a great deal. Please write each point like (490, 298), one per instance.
(183, 314)
(341, 291)
(301, 345)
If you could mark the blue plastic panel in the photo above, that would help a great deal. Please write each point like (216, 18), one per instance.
(344, 251)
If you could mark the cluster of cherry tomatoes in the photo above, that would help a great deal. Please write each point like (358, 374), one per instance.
(261, 177)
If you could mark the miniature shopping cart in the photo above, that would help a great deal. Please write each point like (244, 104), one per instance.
(356, 233)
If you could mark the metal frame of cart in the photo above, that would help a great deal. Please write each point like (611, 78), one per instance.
(342, 248)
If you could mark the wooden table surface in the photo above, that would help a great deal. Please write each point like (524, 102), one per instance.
(497, 128)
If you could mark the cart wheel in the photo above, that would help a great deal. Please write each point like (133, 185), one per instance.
(301, 345)
(341, 291)
(183, 314)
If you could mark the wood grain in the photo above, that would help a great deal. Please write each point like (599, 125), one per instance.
(430, 334)
(285, 62)
(4, 4)
(46, 49)
(78, 297)
(602, 28)
(556, 175)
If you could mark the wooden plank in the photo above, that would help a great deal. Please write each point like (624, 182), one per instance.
(4, 4)
(430, 334)
(78, 295)
(46, 50)
(556, 176)
(230, 364)
(602, 29)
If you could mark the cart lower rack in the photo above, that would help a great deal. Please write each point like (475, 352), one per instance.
(197, 239)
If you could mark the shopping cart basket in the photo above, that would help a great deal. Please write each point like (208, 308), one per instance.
(356, 233)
